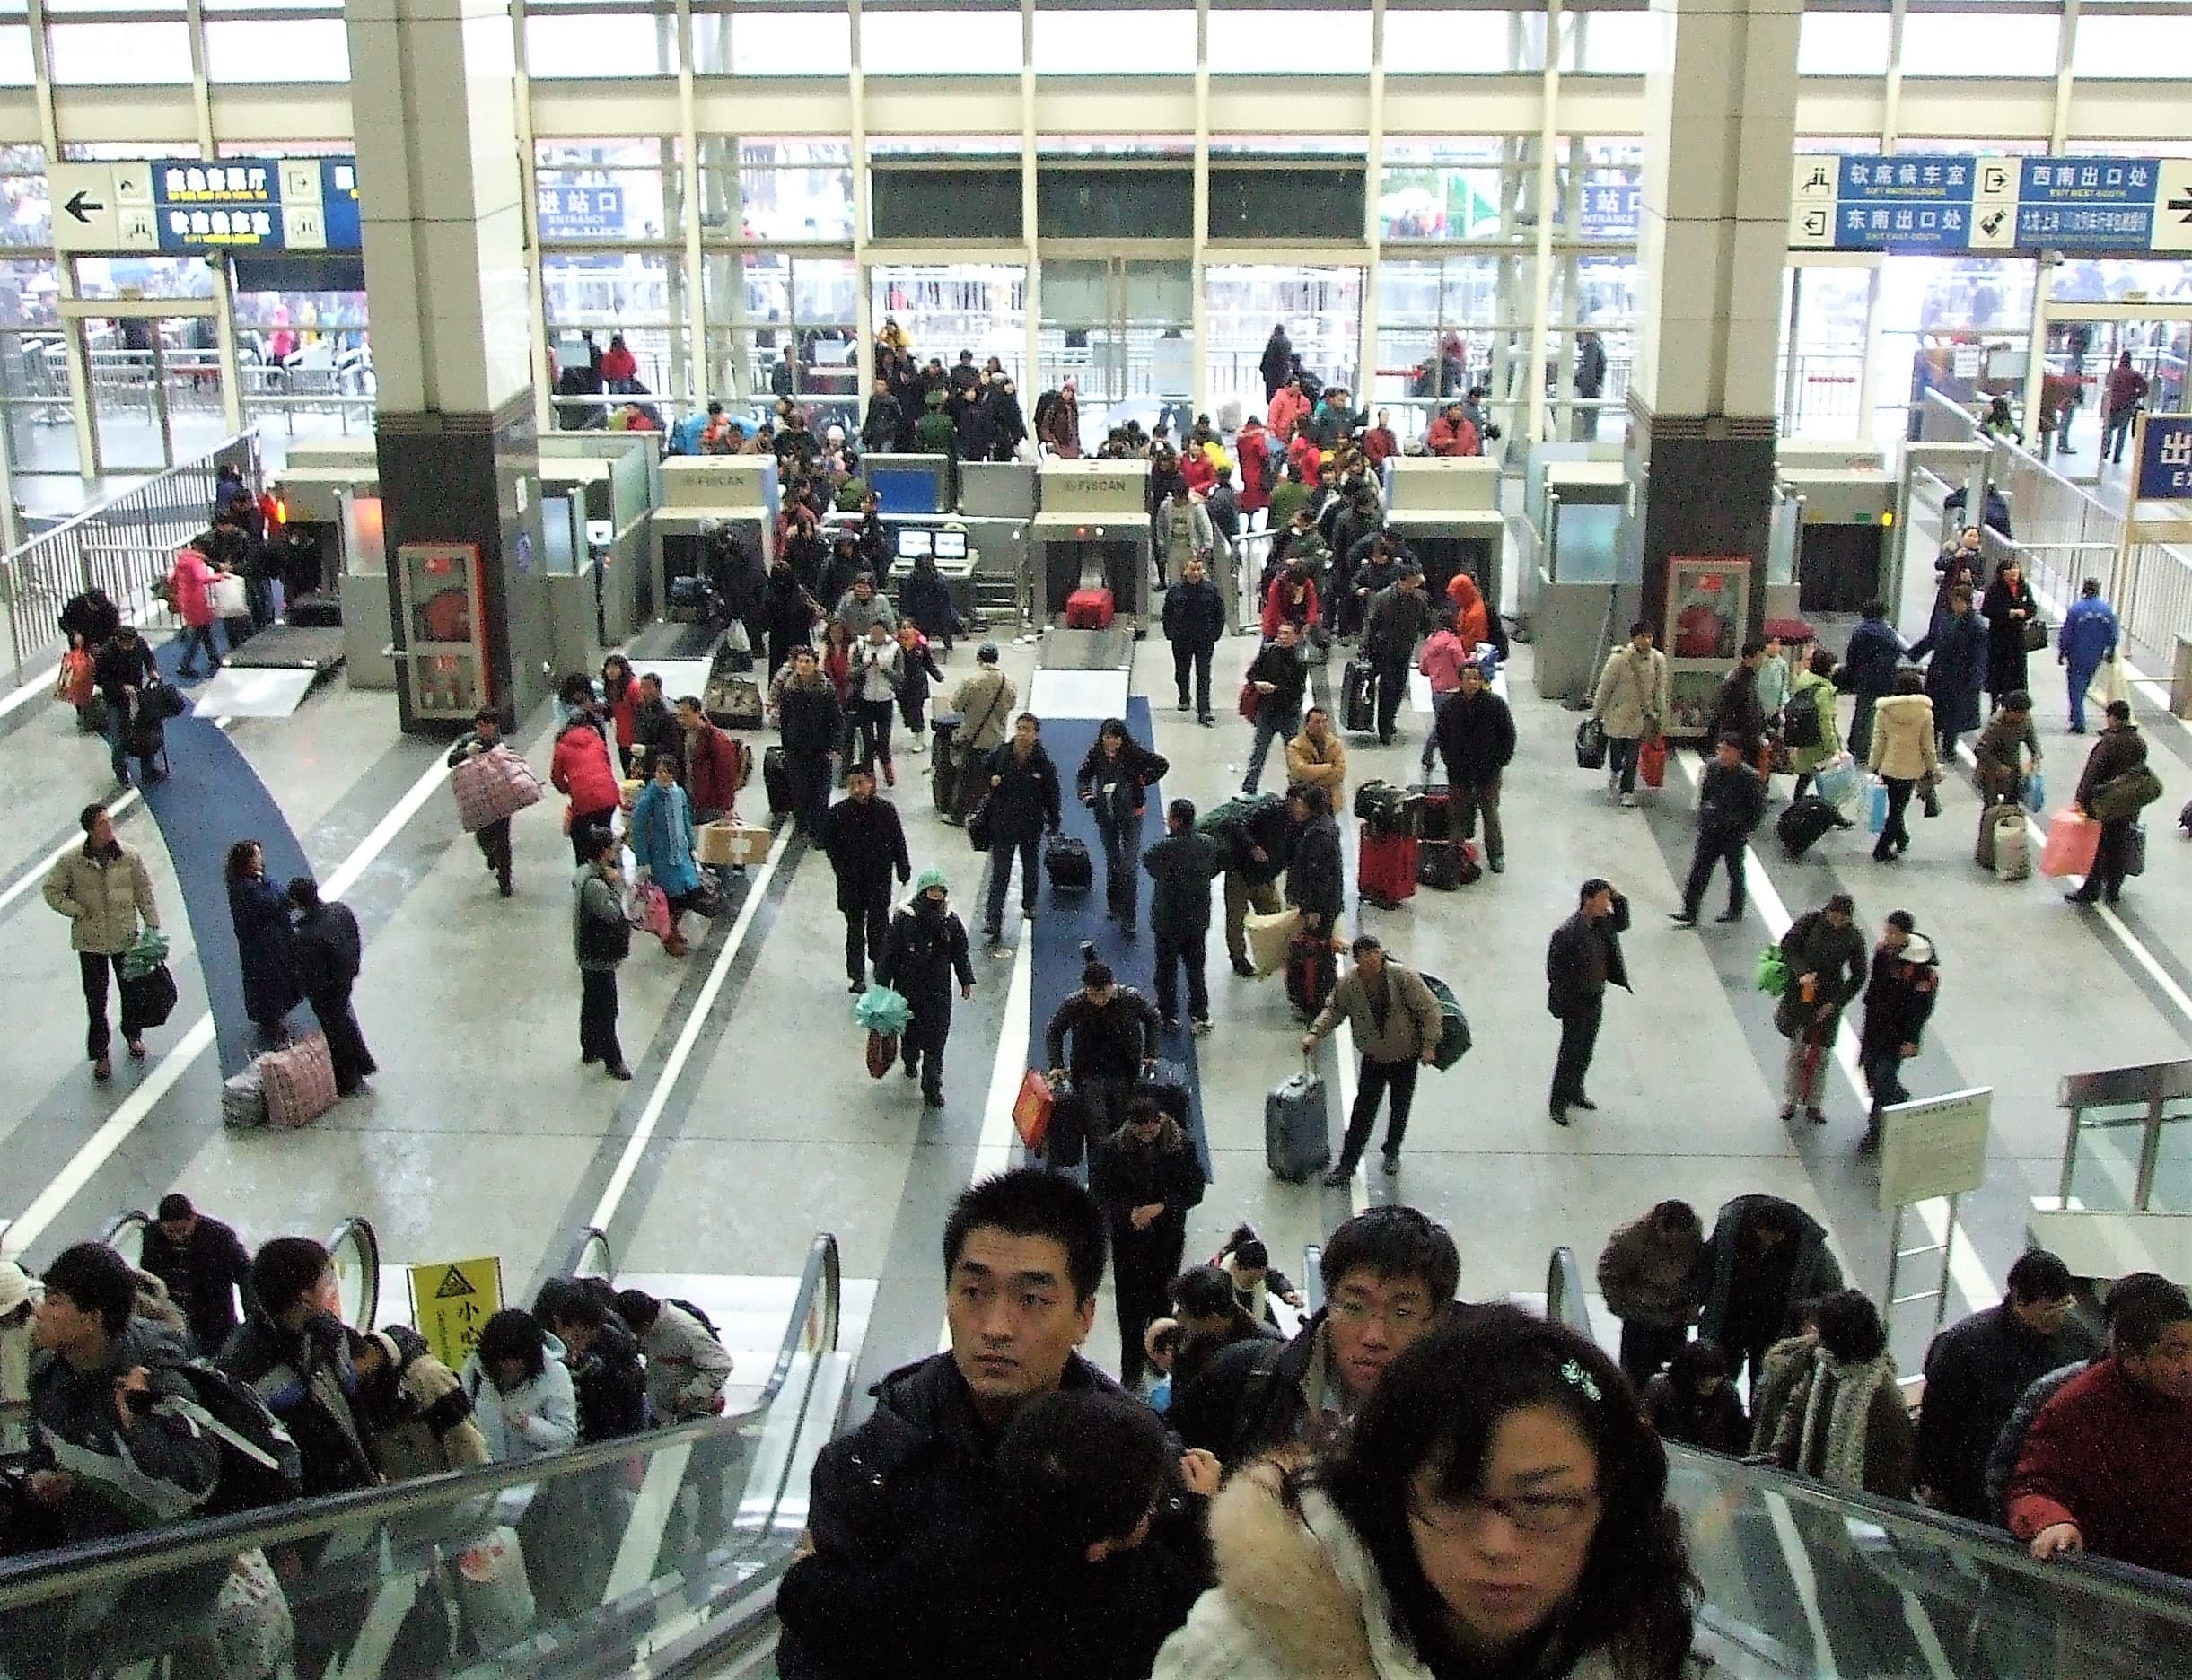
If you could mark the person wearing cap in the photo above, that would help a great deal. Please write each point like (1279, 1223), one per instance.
(18, 1309)
(204, 1265)
(984, 702)
(103, 889)
(925, 951)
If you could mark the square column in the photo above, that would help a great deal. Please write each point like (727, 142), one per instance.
(1721, 116)
(442, 202)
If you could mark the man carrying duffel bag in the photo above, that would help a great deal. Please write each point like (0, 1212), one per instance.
(103, 889)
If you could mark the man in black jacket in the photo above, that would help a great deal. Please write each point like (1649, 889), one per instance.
(1390, 1275)
(1396, 618)
(329, 952)
(605, 1367)
(1738, 711)
(296, 1354)
(205, 1265)
(654, 726)
(910, 1504)
(1145, 1177)
(1475, 737)
(807, 718)
(1183, 864)
(1278, 676)
(1024, 803)
(866, 843)
(1114, 1029)
(1899, 994)
(122, 669)
(1316, 876)
(1582, 959)
(1194, 623)
(1977, 1370)
(1731, 804)
(926, 951)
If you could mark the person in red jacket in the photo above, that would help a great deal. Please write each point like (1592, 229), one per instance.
(621, 688)
(191, 584)
(1379, 444)
(1454, 434)
(2107, 1466)
(1288, 409)
(580, 770)
(1252, 450)
(715, 764)
(620, 366)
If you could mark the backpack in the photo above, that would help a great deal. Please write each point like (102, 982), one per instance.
(705, 1323)
(1242, 809)
(1800, 718)
(260, 1465)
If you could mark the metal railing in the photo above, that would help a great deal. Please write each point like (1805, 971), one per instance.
(121, 546)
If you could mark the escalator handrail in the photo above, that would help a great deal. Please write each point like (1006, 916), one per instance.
(589, 1238)
(121, 1223)
(2135, 1587)
(369, 1242)
(69, 1570)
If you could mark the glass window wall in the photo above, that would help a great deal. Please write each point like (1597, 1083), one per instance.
(614, 191)
(1114, 43)
(2005, 44)
(278, 49)
(119, 54)
(945, 308)
(959, 41)
(1455, 188)
(781, 326)
(629, 41)
(1843, 44)
(790, 191)
(1259, 42)
(1320, 307)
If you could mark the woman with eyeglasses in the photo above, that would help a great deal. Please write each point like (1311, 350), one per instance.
(1499, 1508)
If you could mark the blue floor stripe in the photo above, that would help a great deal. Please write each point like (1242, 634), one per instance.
(211, 798)
(1064, 920)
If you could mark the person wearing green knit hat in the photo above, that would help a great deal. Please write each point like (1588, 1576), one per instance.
(925, 951)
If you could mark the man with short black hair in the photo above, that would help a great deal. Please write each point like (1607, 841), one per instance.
(1390, 1275)
(606, 1370)
(297, 1354)
(1115, 1032)
(106, 892)
(1396, 1022)
(1731, 804)
(1899, 994)
(2107, 1462)
(204, 1263)
(866, 845)
(1975, 1370)
(912, 1498)
(1183, 864)
(1582, 959)
(492, 838)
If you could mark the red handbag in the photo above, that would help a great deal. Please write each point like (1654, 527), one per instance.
(882, 1052)
(1651, 761)
(1031, 1110)
(1251, 699)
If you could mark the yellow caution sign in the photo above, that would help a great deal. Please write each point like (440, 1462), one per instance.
(451, 1301)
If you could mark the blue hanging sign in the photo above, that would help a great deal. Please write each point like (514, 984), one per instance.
(2165, 464)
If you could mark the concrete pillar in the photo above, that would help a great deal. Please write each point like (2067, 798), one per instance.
(447, 284)
(1720, 130)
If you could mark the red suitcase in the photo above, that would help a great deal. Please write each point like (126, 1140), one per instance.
(1385, 867)
(1089, 609)
(1312, 970)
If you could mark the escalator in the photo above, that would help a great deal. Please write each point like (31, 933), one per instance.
(658, 1553)
(1802, 1579)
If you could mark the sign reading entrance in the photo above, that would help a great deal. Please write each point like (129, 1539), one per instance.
(451, 1301)
(1933, 1146)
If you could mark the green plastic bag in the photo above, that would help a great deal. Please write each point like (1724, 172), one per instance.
(1454, 1039)
(146, 954)
(1773, 971)
(882, 1010)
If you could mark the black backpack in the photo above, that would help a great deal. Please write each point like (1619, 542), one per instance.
(1800, 718)
(705, 1323)
(260, 1465)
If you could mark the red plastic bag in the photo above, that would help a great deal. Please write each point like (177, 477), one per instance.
(1031, 1110)
(882, 1052)
(651, 910)
(74, 688)
(2073, 840)
(1651, 761)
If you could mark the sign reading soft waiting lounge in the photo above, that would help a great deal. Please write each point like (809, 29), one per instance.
(2128, 207)
(181, 204)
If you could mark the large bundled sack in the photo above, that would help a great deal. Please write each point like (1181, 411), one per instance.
(492, 785)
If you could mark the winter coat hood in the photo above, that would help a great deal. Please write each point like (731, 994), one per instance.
(1903, 743)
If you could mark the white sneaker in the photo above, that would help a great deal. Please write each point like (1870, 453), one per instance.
(1628, 801)
(916, 747)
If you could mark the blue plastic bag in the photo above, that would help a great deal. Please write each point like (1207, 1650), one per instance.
(2036, 791)
(882, 1010)
(1836, 781)
(1876, 809)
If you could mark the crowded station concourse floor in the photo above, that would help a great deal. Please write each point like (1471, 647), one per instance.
(752, 1122)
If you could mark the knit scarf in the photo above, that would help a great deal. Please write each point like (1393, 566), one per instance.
(1835, 1404)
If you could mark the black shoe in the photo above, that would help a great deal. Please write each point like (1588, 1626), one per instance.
(1498, 865)
(1207, 722)
(1391, 1163)
(1729, 915)
(1788, 1111)
(913, 1068)
(185, 673)
(1816, 1116)
(856, 986)
(1183, 705)
(1171, 1023)
(1584, 1103)
(1682, 919)
(620, 1071)
(1869, 1143)
(934, 1098)
(1560, 1117)
(503, 886)
(588, 1060)
(1338, 1177)
(2081, 896)
(2110, 898)
(1244, 968)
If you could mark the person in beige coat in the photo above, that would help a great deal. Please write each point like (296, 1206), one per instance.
(1396, 1023)
(1631, 706)
(1318, 757)
(105, 891)
(1904, 754)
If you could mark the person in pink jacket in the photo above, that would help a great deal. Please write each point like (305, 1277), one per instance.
(191, 582)
(1443, 656)
(1288, 409)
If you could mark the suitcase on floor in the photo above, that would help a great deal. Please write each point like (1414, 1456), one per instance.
(778, 779)
(1385, 867)
(945, 762)
(1447, 865)
(2012, 860)
(1354, 698)
(1089, 609)
(300, 1082)
(243, 1099)
(1433, 804)
(1312, 970)
(1065, 861)
(317, 612)
(1805, 820)
(1297, 1135)
(732, 702)
(1995, 820)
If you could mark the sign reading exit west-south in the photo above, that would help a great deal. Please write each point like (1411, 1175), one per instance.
(2006, 204)
(183, 205)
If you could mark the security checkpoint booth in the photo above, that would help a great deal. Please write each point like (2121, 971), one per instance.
(1446, 511)
(1833, 522)
(330, 491)
(1092, 532)
(707, 501)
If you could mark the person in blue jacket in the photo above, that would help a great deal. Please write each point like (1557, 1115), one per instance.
(1874, 654)
(663, 844)
(265, 941)
(2088, 637)
(1958, 670)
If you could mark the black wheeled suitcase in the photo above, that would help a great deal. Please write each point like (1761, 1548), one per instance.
(316, 612)
(1435, 811)
(778, 779)
(946, 763)
(1354, 698)
(1066, 861)
(1805, 820)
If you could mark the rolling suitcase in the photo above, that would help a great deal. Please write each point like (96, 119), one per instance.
(316, 612)
(1435, 811)
(1297, 1136)
(1311, 972)
(778, 779)
(1065, 861)
(1385, 867)
(1089, 609)
(1804, 821)
(944, 762)
(1354, 698)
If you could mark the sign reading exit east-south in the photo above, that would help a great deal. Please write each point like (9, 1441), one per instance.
(1991, 204)
(184, 204)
